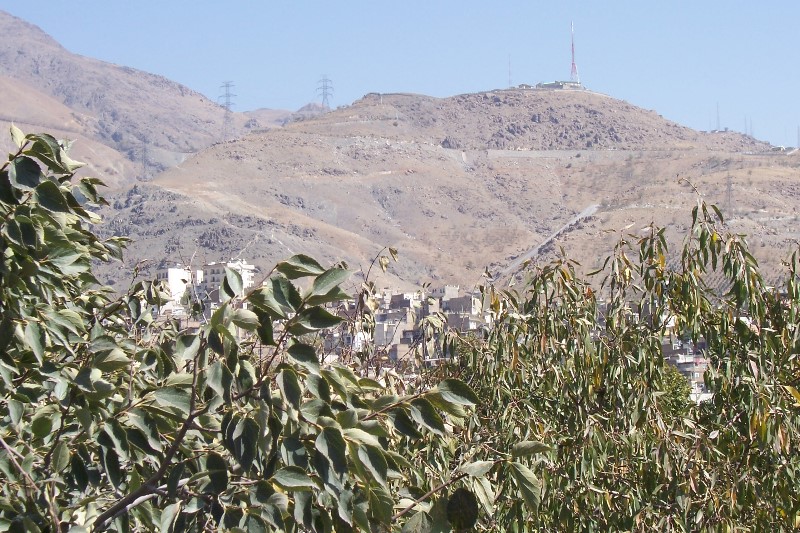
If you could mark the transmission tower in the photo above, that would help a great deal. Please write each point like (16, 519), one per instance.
(325, 90)
(145, 162)
(729, 196)
(226, 99)
(573, 76)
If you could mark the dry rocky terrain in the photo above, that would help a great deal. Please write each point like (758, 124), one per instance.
(456, 184)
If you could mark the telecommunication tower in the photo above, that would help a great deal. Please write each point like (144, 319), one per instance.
(226, 99)
(573, 76)
(325, 89)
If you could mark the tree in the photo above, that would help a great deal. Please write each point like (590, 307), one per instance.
(572, 388)
(559, 417)
(677, 390)
(114, 419)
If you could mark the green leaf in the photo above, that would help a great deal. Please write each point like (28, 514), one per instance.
(232, 285)
(290, 387)
(15, 410)
(419, 523)
(280, 299)
(168, 516)
(112, 360)
(477, 468)
(50, 151)
(381, 504)
(424, 414)
(456, 391)
(245, 319)
(330, 443)
(34, 338)
(528, 447)
(337, 294)
(42, 424)
(448, 407)
(264, 329)
(529, 485)
(48, 195)
(111, 466)
(61, 456)
(174, 478)
(220, 379)
(173, 397)
(17, 136)
(374, 461)
(403, 424)
(187, 346)
(245, 439)
(304, 355)
(483, 490)
(25, 174)
(217, 472)
(299, 266)
(318, 386)
(114, 436)
(328, 282)
(293, 478)
(145, 423)
(312, 319)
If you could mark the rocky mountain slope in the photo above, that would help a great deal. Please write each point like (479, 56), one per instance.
(456, 184)
(141, 116)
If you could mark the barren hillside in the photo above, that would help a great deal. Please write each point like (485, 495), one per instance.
(426, 176)
(139, 115)
(456, 184)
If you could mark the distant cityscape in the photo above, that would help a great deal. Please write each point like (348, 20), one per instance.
(398, 325)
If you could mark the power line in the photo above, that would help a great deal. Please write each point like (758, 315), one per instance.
(729, 196)
(325, 89)
(227, 103)
(145, 161)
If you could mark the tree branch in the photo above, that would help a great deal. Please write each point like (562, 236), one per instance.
(428, 495)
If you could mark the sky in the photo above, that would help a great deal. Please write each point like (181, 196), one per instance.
(699, 63)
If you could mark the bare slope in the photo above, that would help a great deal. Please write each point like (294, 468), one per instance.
(425, 175)
(123, 108)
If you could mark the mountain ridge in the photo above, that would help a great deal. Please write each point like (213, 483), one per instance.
(457, 184)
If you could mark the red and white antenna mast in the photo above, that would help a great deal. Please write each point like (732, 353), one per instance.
(573, 76)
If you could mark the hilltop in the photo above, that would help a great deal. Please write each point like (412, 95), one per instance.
(456, 184)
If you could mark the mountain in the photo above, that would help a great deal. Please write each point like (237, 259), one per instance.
(142, 116)
(456, 184)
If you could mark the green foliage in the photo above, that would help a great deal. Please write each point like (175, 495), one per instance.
(113, 419)
(600, 438)
(676, 388)
(563, 416)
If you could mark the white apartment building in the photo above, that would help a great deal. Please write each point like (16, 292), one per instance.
(178, 280)
(214, 275)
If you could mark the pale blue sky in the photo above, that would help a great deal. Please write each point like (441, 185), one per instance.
(681, 58)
